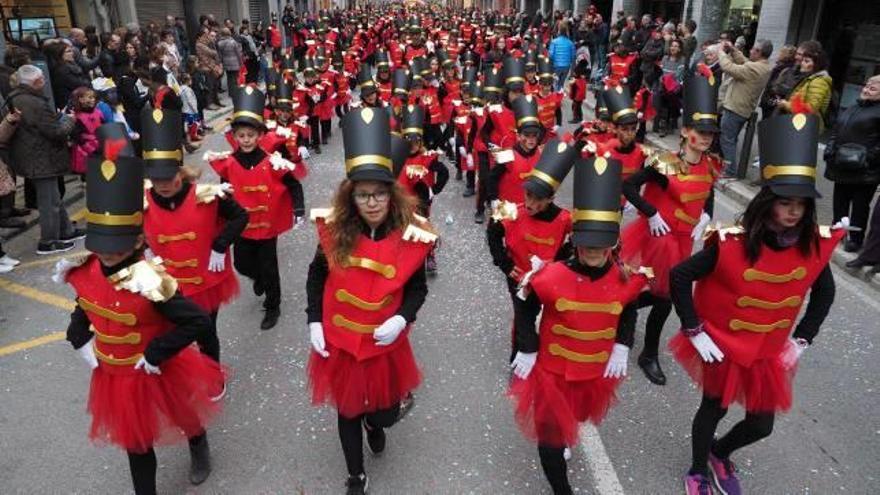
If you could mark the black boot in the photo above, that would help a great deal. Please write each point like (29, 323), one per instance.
(200, 468)
(651, 367)
(375, 438)
(357, 485)
(468, 192)
(856, 263)
(270, 319)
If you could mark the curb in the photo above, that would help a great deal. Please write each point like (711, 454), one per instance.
(742, 193)
(79, 195)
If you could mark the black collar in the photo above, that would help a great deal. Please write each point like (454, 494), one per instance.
(249, 160)
(174, 201)
(549, 214)
(593, 272)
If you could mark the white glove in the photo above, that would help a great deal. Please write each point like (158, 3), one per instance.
(658, 226)
(210, 156)
(283, 132)
(435, 83)
(223, 189)
(700, 227)
(388, 332)
(793, 353)
(628, 208)
(616, 366)
(624, 80)
(303, 152)
(315, 98)
(470, 162)
(493, 205)
(462, 151)
(591, 147)
(523, 363)
(298, 222)
(149, 254)
(452, 142)
(217, 262)
(271, 125)
(280, 163)
(87, 353)
(147, 367)
(316, 337)
(706, 348)
(843, 223)
(555, 129)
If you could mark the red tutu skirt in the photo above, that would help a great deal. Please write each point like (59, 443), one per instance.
(136, 411)
(639, 248)
(549, 408)
(763, 387)
(356, 387)
(211, 299)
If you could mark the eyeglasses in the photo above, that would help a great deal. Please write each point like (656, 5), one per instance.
(363, 198)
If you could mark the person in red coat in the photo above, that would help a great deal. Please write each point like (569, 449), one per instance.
(739, 340)
(675, 208)
(134, 328)
(190, 226)
(513, 165)
(625, 119)
(365, 286)
(549, 103)
(268, 188)
(537, 231)
(568, 371)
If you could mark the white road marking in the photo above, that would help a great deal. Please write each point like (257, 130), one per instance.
(604, 474)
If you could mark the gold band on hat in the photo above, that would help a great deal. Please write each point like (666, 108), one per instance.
(245, 113)
(545, 177)
(620, 113)
(412, 130)
(111, 220)
(704, 116)
(163, 155)
(526, 120)
(771, 171)
(514, 79)
(596, 216)
(368, 160)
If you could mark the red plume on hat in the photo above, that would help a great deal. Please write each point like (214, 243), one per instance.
(798, 105)
(112, 148)
(706, 72)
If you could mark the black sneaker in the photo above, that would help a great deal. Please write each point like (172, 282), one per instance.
(75, 235)
(270, 319)
(53, 247)
(468, 192)
(479, 217)
(357, 485)
(12, 223)
(375, 438)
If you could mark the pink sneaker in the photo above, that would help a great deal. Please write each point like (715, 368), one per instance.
(724, 474)
(697, 484)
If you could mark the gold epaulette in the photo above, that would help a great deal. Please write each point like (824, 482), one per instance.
(206, 193)
(719, 232)
(665, 162)
(414, 233)
(322, 213)
(505, 210)
(147, 278)
(647, 271)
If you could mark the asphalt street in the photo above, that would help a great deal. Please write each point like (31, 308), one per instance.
(460, 437)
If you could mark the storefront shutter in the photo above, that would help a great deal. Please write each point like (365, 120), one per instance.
(156, 10)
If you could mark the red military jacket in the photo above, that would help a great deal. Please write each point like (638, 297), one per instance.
(631, 162)
(427, 97)
(413, 52)
(547, 106)
(261, 192)
(385, 91)
(578, 89)
(532, 87)
(749, 309)
(367, 291)
(510, 186)
(417, 170)
(580, 318)
(503, 126)
(124, 322)
(525, 236)
(681, 203)
(453, 93)
(619, 68)
(183, 237)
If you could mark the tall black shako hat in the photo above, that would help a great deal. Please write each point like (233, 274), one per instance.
(545, 70)
(525, 111)
(602, 107)
(162, 142)
(788, 145)
(556, 160)
(365, 81)
(597, 188)
(382, 60)
(248, 105)
(401, 82)
(399, 153)
(115, 196)
(620, 105)
(493, 81)
(284, 95)
(365, 137)
(514, 70)
(412, 122)
(701, 101)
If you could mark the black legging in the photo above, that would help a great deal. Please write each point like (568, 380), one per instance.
(660, 309)
(143, 472)
(854, 201)
(351, 436)
(483, 178)
(555, 469)
(209, 342)
(754, 427)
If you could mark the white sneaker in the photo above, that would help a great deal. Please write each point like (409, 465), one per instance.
(6, 268)
(9, 261)
(566, 454)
